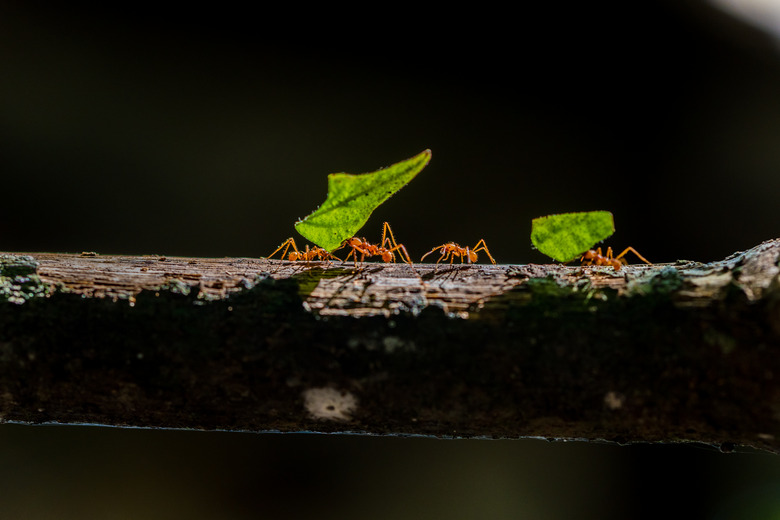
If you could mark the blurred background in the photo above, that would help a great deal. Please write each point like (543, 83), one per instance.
(148, 130)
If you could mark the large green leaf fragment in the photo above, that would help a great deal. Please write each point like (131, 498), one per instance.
(352, 198)
(564, 237)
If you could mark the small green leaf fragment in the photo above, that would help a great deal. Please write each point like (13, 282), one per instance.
(564, 237)
(352, 198)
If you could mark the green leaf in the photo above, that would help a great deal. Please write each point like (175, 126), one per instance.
(564, 237)
(352, 198)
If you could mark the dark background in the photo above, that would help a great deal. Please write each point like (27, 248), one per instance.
(209, 133)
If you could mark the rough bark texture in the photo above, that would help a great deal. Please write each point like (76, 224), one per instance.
(662, 353)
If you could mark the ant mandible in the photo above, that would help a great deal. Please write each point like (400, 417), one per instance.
(592, 257)
(307, 255)
(451, 250)
(367, 249)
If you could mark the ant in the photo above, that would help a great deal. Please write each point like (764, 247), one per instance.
(592, 257)
(315, 253)
(451, 250)
(367, 249)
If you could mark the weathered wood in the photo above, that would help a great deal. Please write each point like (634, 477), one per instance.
(662, 353)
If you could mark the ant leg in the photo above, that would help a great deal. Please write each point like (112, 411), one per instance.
(406, 253)
(385, 231)
(354, 257)
(353, 254)
(443, 255)
(400, 248)
(385, 227)
(598, 259)
(331, 255)
(394, 245)
(431, 251)
(631, 249)
(392, 241)
(387, 240)
(484, 248)
(289, 242)
(285, 243)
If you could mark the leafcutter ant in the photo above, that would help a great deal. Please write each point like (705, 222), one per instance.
(592, 257)
(386, 249)
(307, 255)
(451, 250)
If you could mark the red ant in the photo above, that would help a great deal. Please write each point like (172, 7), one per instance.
(451, 250)
(592, 257)
(367, 249)
(315, 253)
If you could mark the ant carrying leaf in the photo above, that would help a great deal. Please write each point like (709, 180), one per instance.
(566, 236)
(352, 198)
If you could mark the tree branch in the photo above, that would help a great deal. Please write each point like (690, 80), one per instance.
(662, 353)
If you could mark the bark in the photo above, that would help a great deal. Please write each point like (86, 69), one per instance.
(683, 352)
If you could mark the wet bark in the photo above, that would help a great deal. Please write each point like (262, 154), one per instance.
(683, 352)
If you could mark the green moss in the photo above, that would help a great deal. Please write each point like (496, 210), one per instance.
(16, 265)
(657, 283)
(539, 299)
(309, 279)
(552, 288)
(177, 286)
(19, 280)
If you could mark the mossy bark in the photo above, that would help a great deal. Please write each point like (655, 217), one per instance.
(661, 353)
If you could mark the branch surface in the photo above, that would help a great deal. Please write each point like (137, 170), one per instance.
(683, 352)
